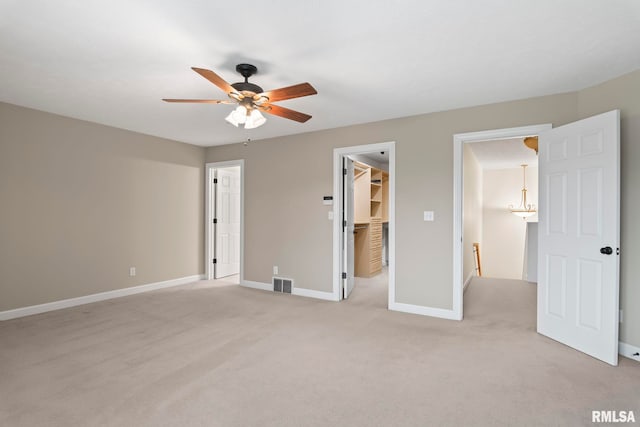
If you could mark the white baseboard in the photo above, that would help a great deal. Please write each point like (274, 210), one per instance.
(295, 291)
(328, 296)
(424, 311)
(117, 293)
(257, 285)
(628, 350)
(466, 282)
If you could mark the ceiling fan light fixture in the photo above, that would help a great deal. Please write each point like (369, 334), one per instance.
(260, 99)
(237, 116)
(254, 120)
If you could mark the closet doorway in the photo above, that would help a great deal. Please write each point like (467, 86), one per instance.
(364, 224)
(224, 231)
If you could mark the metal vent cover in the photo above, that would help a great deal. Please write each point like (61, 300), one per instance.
(281, 284)
(277, 285)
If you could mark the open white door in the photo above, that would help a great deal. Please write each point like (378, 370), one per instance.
(227, 222)
(348, 238)
(579, 235)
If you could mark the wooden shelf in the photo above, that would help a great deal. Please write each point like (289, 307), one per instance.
(371, 193)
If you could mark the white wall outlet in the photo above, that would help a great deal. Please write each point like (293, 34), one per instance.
(132, 271)
(330, 215)
(275, 269)
(429, 216)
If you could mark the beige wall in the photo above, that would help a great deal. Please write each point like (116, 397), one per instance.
(285, 189)
(80, 203)
(624, 93)
(285, 178)
(472, 210)
(83, 202)
(503, 244)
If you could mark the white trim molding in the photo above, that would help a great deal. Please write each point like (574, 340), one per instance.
(424, 311)
(87, 299)
(311, 293)
(302, 292)
(466, 282)
(630, 351)
(257, 285)
(458, 140)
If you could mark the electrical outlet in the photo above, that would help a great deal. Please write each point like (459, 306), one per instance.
(132, 271)
(275, 269)
(429, 216)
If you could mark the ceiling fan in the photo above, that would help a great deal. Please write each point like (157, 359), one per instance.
(251, 99)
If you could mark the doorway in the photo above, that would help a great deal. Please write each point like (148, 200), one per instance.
(364, 227)
(459, 143)
(225, 220)
(500, 199)
(579, 231)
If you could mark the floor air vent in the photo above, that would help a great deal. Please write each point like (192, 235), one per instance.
(283, 285)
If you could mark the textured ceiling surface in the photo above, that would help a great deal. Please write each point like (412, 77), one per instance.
(112, 61)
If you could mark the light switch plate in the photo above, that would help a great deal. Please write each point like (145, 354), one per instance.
(429, 216)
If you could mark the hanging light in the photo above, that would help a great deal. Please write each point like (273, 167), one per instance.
(254, 119)
(524, 210)
(251, 119)
(237, 116)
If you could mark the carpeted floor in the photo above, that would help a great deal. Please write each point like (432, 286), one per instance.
(212, 354)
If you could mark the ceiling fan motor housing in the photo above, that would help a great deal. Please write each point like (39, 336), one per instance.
(247, 70)
(246, 86)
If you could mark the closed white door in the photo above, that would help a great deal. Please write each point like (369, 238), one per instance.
(227, 222)
(348, 238)
(579, 235)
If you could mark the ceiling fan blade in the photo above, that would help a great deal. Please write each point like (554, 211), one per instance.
(295, 91)
(215, 79)
(286, 113)
(200, 101)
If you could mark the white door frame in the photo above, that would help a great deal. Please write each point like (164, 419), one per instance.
(458, 140)
(209, 168)
(338, 153)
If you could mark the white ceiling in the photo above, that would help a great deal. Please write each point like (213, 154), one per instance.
(378, 157)
(503, 153)
(111, 61)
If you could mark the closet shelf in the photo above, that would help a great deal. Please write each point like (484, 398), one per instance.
(371, 207)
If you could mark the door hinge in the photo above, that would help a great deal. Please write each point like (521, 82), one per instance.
(215, 261)
(215, 220)
(344, 171)
(344, 275)
(344, 224)
(215, 180)
(617, 251)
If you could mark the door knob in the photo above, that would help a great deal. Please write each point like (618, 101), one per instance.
(606, 250)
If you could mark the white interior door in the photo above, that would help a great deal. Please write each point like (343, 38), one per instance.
(579, 235)
(227, 222)
(348, 237)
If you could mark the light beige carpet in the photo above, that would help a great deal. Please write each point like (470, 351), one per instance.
(213, 355)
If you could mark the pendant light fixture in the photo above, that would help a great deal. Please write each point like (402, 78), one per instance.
(524, 210)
